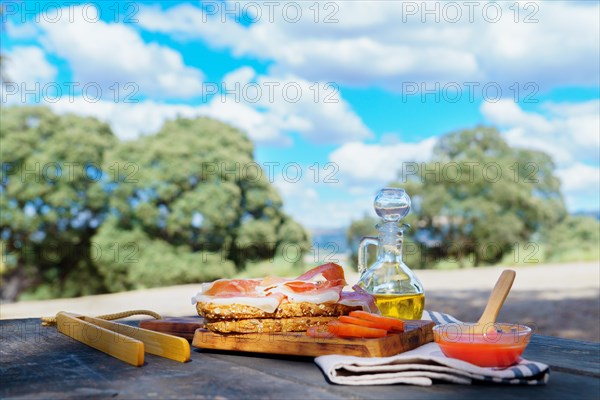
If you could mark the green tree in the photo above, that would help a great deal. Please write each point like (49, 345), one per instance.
(84, 213)
(365, 226)
(476, 199)
(479, 196)
(358, 229)
(576, 238)
(52, 201)
(131, 259)
(192, 187)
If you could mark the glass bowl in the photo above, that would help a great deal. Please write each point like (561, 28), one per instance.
(492, 345)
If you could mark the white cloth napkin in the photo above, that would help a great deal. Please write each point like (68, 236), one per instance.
(425, 364)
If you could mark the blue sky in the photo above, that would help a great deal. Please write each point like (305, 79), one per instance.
(342, 92)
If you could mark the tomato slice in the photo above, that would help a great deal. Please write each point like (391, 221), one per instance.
(359, 324)
(362, 322)
(387, 323)
(350, 330)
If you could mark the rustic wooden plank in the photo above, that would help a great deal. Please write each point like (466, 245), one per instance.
(35, 362)
(566, 355)
(296, 369)
(39, 362)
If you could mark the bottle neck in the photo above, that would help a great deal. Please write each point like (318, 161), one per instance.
(390, 242)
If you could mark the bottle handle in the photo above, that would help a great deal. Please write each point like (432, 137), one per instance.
(363, 252)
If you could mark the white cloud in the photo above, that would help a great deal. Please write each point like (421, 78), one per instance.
(266, 115)
(362, 169)
(262, 127)
(296, 190)
(374, 165)
(570, 131)
(316, 110)
(21, 31)
(26, 70)
(28, 65)
(241, 76)
(581, 120)
(127, 120)
(384, 43)
(581, 186)
(106, 53)
(580, 178)
(506, 112)
(318, 203)
(186, 21)
(560, 36)
(269, 107)
(331, 213)
(130, 120)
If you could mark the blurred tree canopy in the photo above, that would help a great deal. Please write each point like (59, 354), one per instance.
(576, 238)
(365, 226)
(85, 213)
(52, 200)
(359, 228)
(191, 188)
(476, 199)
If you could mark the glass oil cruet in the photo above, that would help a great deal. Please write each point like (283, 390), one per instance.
(397, 290)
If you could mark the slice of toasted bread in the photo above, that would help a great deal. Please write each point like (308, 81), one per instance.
(265, 325)
(285, 310)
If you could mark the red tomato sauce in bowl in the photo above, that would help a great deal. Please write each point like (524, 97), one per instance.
(496, 345)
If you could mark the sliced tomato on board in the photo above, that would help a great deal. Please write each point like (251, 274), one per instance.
(359, 324)
(362, 322)
(356, 331)
(387, 323)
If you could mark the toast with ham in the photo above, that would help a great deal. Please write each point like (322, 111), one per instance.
(278, 304)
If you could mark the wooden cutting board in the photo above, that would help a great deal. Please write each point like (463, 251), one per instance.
(295, 343)
(183, 327)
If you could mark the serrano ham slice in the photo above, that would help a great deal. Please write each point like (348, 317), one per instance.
(320, 285)
(231, 287)
(359, 298)
(238, 291)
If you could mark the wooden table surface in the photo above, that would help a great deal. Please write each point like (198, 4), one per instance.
(39, 362)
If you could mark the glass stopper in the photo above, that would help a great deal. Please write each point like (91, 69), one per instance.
(392, 204)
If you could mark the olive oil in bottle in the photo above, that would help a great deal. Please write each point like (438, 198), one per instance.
(408, 306)
(397, 290)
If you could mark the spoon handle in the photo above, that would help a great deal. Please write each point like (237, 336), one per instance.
(497, 297)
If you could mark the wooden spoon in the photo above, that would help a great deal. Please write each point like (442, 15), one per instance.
(486, 322)
(497, 297)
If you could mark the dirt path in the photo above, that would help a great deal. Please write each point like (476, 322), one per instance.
(558, 300)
